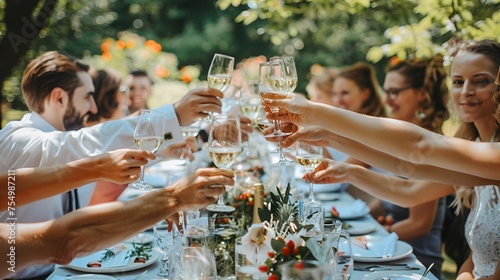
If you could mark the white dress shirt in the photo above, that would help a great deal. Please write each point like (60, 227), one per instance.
(33, 142)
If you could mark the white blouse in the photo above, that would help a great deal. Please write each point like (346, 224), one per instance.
(482, 230)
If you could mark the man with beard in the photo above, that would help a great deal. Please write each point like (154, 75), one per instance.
(58, 91)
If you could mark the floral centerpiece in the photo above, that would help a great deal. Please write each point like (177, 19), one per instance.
(281, 238)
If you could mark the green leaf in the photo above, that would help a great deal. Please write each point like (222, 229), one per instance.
(277, 245)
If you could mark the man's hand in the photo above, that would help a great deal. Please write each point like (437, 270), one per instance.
(197, 190)
(196, 104)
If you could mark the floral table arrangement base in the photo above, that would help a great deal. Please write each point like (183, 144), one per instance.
(281, 238)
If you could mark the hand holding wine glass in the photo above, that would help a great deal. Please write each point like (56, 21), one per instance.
(273, 85)
(148, 135)
(224, 147)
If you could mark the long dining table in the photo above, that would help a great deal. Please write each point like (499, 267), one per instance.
(150, 272)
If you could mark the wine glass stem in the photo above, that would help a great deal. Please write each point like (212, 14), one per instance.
(311, 191)
(220, 201)
(277, 127)
(141, 180)
(280, 150)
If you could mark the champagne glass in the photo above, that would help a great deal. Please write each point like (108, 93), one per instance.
(260, 121)
(289, 71)
(272, 85)
(219, 74)
(249, 100)
(191, 130)
(249, 103)
(313, 211)
(224, 147)
(148, 135)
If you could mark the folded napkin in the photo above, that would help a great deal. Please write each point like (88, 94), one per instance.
(383, 248)
(358, 208)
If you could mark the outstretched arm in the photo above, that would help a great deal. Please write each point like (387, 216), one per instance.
(403, 140)
(322, 137)
(62, 239)
(32, 184)
(399, 191)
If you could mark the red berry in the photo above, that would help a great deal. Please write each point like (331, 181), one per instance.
(263, 268)
(270, 255)
(286, 251)
(296, 251)
(299, 265)
(272, 277)
(290, 244)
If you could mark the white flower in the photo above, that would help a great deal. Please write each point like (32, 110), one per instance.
(296, 238)
(256, 243)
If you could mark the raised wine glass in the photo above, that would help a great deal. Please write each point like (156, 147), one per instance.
(313, 211)
(219, 74)
(224, 147)
(272, 85)
(289, 71)
(148, 135)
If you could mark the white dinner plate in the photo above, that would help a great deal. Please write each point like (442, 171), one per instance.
(141, 238)
(155, 254)
(89, 277)
(359, 227)
(402, 250)
(355, 215)
(303, 186)
(327, 196)
(379, 275)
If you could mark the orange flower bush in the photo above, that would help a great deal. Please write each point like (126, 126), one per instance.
(130, 52)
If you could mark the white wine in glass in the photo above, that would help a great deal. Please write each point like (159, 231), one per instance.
(224, 147)
(272, 85)
(219, 74)
(289, 72)
(313, 211)
(148, 136)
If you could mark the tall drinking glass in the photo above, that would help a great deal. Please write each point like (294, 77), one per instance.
(224, 147)
(345, 262)
(148, 135)
(272, 85)
(165, 240)
(312, 210)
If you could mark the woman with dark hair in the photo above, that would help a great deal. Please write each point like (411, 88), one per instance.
(110, 95)
(356, 89)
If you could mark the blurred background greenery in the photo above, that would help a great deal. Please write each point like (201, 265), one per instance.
(175, 40)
